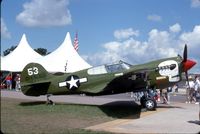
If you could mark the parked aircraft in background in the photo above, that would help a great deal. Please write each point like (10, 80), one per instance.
(108, 79)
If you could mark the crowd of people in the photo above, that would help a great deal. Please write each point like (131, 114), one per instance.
(192, 91)
(13, 82)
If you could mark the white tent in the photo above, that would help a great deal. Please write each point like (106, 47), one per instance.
(20, 57)
(64, 59)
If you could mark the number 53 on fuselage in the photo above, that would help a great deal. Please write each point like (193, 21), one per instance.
(107, 79)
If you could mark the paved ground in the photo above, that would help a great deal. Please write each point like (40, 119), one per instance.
(174, 118)
(180, 118)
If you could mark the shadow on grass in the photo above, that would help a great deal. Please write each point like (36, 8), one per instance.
(122, 109)
(117, 109)
(32, 103)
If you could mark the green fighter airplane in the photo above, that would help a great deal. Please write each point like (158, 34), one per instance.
(108, 79)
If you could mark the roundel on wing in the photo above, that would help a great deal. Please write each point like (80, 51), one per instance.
(72, 82)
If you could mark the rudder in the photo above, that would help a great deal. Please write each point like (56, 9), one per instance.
(33, 72)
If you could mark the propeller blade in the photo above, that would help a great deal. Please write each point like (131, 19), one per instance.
(185, 54)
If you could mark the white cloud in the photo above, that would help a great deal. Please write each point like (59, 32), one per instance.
(125, 33)
(4, 30)
(193, 40)
(195, 3)
(192, 37)
(154, 17)
(160, 44)
(175, 28)
(44, 13)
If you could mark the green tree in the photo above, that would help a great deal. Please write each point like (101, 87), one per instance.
(42, 51)
(9, 50)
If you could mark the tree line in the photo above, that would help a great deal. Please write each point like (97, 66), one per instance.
(41, 51)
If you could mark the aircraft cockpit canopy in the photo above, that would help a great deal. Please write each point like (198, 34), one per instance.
(109, 68)
(117, 67)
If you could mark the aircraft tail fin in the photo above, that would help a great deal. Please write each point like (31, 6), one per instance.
(35, 80)
(33, 73)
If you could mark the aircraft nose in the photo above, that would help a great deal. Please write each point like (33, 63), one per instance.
(188, 64)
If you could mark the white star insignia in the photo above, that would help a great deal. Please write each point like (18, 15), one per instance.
(72, 82)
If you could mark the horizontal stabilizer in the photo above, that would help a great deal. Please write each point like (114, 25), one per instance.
(36, 89)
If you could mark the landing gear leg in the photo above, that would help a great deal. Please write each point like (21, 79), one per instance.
(148, 102)
(49, 102)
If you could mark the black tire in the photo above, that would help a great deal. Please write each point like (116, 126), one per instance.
(150, 104)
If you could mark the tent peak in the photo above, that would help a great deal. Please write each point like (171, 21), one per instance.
(67, 37)
(23, 36)
(23, 40)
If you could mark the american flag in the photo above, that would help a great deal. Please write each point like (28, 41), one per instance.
(76, 42)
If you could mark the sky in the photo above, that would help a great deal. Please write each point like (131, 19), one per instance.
(136, 31)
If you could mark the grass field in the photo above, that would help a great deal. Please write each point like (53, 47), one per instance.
(25, 116)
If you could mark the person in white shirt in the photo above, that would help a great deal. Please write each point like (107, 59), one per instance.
(18, 86)
(189, 90)
(197, 90)
(197, 83)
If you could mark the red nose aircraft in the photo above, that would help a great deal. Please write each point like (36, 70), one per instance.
(108, 79)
